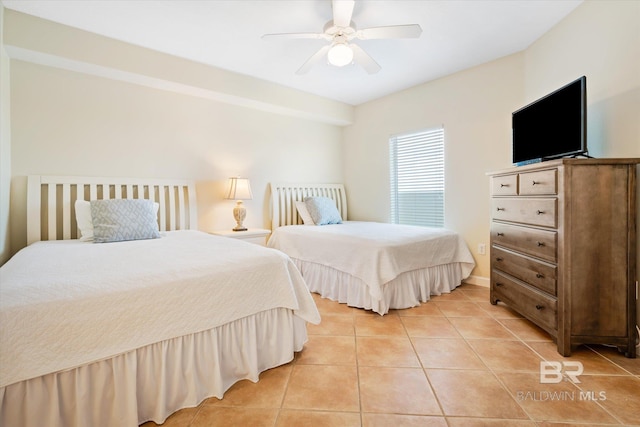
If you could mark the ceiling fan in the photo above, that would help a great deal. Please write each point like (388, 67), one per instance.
(341, 32)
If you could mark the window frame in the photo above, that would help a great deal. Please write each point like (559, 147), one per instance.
(422, 156)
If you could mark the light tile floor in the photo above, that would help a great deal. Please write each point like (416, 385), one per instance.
(454, 361)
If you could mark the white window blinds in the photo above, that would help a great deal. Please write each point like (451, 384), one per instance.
(417, 178)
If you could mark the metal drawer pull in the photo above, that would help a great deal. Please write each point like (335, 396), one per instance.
(500, 234)
(504, 185)
(500, 209)
(539, 276)
(534, 183)
(498, 284)
(539, 212)
(539, 307)
(540, 243)
(499, 259)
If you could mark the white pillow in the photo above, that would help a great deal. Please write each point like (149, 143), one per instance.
(83, 218)
(323, 210)
(85, 222)
(304, 213)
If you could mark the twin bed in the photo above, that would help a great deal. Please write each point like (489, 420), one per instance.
(120, 333)
(370, 265)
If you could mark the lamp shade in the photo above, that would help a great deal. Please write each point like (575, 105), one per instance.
(239, 189)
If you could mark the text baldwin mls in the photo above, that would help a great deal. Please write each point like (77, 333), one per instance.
(550, 396)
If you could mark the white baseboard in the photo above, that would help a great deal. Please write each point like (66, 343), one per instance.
(478, 280)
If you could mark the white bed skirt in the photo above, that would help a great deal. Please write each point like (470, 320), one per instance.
(152, 382)
(407, 290)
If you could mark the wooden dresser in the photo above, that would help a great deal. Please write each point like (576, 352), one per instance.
(563, 249)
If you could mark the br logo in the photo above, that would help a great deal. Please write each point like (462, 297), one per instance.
(551, 372)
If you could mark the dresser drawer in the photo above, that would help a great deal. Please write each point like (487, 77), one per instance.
(532, 271)
(526, 210)
(538, 182)
(504, 185)
(538, 243)
(531, 303)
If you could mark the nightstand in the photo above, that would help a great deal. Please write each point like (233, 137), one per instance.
(253, 235)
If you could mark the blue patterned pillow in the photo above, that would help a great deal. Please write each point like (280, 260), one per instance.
(117, 220)
(323, 210)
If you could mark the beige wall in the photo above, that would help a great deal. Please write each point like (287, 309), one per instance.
(67, 123)
(600, 39)
(5, 149)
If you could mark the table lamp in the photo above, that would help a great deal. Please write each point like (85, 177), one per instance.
(239, 190)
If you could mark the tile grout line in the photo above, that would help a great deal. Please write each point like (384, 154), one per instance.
(424, 372)
(198, 409)
(355, 345)
(610, 360)
(488, 368)
(502, 384)
(293, 363)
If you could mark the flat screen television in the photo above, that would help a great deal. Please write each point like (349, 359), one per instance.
(553, 126)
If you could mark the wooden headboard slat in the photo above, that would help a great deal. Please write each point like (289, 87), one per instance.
(284, 196)
(172, 212)
(181, 210)
(59, 194)
(93, 192)
(163, 212)
(51, 217)
(66, 211)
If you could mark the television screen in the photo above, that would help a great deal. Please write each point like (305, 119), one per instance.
(553, 126)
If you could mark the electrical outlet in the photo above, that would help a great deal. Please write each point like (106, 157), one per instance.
(482, 249)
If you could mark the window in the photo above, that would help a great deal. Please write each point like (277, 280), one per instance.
(417, 178)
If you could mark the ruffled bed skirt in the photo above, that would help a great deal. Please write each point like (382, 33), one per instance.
(152, 382)
(407, 290)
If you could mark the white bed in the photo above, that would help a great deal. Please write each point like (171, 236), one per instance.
(370, 265)
(127, 332)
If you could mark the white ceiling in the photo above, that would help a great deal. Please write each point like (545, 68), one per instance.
(227, 34)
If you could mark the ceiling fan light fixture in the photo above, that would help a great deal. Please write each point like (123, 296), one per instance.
(340, 31)
(340, 55)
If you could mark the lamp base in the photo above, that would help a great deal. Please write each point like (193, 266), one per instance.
(239, 214)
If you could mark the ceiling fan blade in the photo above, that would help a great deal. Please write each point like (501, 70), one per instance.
(364, 60)
(410, 31)
(279, 36)
(342, 12)
(315, 59)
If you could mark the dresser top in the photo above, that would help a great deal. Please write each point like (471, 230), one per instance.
(569, 161)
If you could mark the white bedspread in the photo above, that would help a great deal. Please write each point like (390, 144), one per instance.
(374, 252)
(64, 304)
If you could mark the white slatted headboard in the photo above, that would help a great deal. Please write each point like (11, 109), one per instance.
(51, 200)
(284, 196)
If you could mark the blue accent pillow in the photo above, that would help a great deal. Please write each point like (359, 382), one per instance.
(116, 220)
(323, 210)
